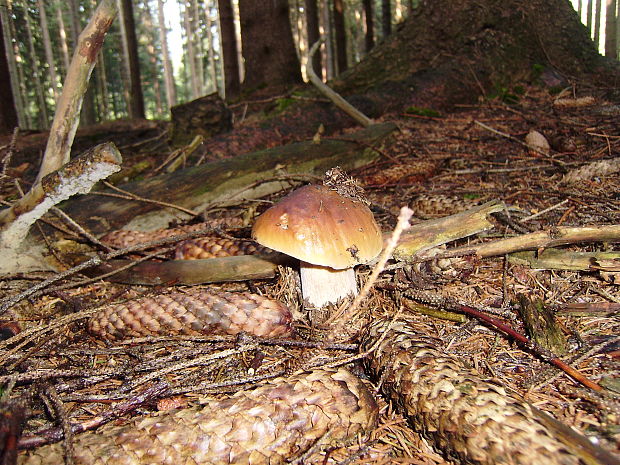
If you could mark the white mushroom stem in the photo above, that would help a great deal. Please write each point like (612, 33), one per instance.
(321, 285)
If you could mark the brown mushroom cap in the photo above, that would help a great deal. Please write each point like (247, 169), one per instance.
(319, 226)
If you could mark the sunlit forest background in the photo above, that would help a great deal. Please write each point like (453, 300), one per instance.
(184, 36)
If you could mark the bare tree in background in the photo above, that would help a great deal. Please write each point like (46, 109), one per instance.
(62, 34)
(194, 76)
(130, 46)
(270, 58)
(597, 23)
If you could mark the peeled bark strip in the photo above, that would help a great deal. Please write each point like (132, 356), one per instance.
(194, 312)
(269, 425)
(468, 419)
(76, 177)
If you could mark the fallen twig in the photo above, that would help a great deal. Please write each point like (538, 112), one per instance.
(451, 304)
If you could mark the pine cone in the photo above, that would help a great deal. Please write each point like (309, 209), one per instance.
(212, 247)
(194, 312)
(438, 205)
(468, 418)
(267, 426)
(126, 238)
(416, 170)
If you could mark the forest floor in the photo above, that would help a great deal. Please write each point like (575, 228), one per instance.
(437, 164)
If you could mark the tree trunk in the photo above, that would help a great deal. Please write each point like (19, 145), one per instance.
(341, 37)
(270, 58)
(386, 17)
(312, 28)
(102, 82)
(171, 94)
(229, 49)
(136, 99)
(597, 24)
(589, 8)
(211, 50)
(197, 38)
(62, 36)
(448, 33)
(47, 44)
(10, 82)
(8, 112)
(330, 62)
(38, 85)
(155, 67)
(370, 26)
(188, 25)
(611, 30)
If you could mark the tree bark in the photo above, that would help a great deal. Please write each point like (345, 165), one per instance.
(211, 50)
(611, 30)
(65, 122)
(171, 94)
(136, 99)
(188, 25)
(47, 44)
(597, 24)
(312, 27)
(370, 26)
(8, 112)
(62, 33)
(341, 37)
(38, 85)
(270, 58)
(386, 17)
(224, 181)
(232, 83)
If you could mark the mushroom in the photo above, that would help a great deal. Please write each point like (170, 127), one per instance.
(328, 233)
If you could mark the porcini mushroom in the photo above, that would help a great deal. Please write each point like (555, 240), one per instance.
(328, 233)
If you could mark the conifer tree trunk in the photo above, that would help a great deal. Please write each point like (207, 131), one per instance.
(597, 23)
(611, 29)
(211, 49)
(171, 94)
(270, 58)
(341, 36)
(47, 45)
(386, 17)
(128, 26)
(197, 37)
(8, 112)
(11, 82)
(38, 85)
(370, 26)
(62, 32)
(312, 28)
(188, 25)
(229, 49)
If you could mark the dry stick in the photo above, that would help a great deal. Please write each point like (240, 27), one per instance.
(514, 139)
(537, 349)
(346, 315)
(546, 210)
(67, 116)
(59, 408)
(341, 103)
(77, 227)
(8, 302)
(49, 436)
